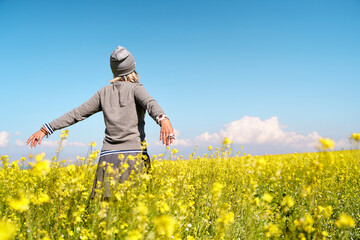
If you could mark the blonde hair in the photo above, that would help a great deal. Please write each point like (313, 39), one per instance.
(131, 77)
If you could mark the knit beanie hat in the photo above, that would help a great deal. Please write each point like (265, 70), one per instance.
(122, 62)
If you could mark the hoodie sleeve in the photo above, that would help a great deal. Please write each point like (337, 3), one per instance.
(146, 101)
(90, 107)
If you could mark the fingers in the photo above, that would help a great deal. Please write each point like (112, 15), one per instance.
(167, 129)
(36, 138)
(164, 137)
(27, 143)
(167, 137)
(34, 142)
(31, 140)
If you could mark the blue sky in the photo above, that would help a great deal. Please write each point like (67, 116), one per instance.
(272, 75)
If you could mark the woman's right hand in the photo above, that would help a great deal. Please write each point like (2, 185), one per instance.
(35, 139)
(166, 129)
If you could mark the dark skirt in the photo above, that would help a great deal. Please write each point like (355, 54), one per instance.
(119, 174)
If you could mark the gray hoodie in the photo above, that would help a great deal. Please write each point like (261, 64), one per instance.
(124, 105)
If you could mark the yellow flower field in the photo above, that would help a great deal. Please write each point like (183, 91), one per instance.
(216, 196)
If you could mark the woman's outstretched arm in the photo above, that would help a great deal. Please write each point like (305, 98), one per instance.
(167, 135)
(80, 113)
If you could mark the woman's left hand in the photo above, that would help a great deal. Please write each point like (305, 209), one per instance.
(35, 139)
(166, 130)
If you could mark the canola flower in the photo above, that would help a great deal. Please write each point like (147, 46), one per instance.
(226, 141)
(7, 230)
(217, 196)
(64, 134)
(41, 166)
(326, 144)
(267, 197)
(134, 235)
(355, 137)
(288, 201)
(165, 225)
(20, 204)
(225, 218)
(272, 230)
(355, 140)
(345, 221)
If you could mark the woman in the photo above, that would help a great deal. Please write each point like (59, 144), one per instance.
(124, 103)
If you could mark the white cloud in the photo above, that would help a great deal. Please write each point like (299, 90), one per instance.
(55, 144)
(343, 143)
(4, 138)
(180, 141)
(77, 144)
(47, 143)
(52, 144)
(17, 133)
(207, 138)
(20, 143)
(253, 130)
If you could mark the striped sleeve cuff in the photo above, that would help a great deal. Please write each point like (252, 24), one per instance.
(48, 128)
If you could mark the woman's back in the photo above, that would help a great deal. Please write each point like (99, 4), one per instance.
(124, 105)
